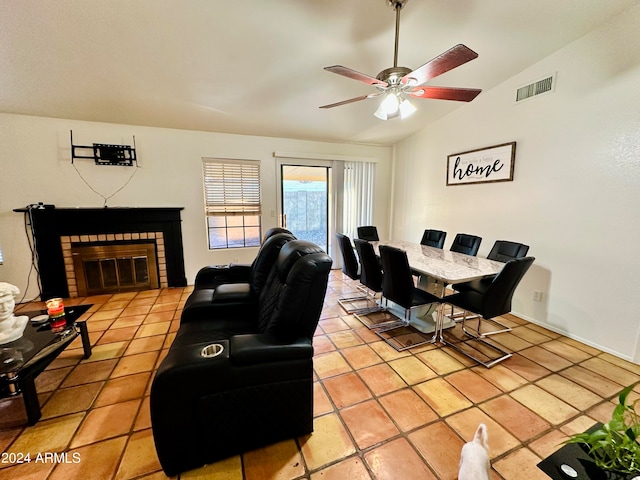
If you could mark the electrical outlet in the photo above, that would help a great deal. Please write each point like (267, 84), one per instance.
(537, 296)
(234, 260)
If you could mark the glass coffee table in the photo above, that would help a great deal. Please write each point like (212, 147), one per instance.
(22, 360)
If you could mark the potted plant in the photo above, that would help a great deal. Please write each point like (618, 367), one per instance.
(614, 446)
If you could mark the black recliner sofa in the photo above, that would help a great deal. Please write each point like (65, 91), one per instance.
(213, 275)
(235, 284)
(234, 382)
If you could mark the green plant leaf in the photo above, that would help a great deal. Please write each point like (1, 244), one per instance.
(622, 397)
(616, 425)
(618, 413)
(615, 445)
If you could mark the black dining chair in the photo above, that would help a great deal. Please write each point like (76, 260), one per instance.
(467, 244)
(371, 279)
(351, 269)
(368, 233)
(502, 251)
(493, 302)
(371, 271)
(398, 287)
(349, 261)
(433, 238)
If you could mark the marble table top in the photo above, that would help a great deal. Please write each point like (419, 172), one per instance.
(450, 267)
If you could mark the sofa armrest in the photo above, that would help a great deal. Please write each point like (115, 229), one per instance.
(208, 277)
(232, 292)
(201, 408)
(259, 348)
(184, 376)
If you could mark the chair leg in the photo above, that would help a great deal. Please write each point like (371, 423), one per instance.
(353, 304)
(457, 317)
(407, 336)
(488, 362)
(378, 319)
(478, 333)
(504, 328)
(360, 304)
(376, 307)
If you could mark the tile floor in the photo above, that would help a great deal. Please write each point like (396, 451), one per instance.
(380, 414)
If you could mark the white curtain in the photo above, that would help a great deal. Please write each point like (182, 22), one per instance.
(359, 179)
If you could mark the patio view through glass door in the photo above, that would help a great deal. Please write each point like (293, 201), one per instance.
(305, 202)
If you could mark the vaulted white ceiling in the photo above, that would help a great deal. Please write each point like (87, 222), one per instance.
(256, 66)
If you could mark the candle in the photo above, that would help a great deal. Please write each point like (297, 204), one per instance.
(55, 309)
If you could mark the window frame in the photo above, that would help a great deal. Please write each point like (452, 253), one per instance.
(231, 188)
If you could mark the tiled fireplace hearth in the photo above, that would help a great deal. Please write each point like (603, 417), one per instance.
(61, 233)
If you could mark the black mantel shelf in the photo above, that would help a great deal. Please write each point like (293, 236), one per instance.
(49, 224)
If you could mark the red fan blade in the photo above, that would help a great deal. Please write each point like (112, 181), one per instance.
(361, 77)
(452, 58)
(446, 93)
(351, 100)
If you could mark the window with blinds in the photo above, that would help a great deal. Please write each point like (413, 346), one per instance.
(232, 202)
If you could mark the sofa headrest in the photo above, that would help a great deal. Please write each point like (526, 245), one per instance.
(274, 231)
(291, 302)
(264, 261)
(291, 252)
(277, 239)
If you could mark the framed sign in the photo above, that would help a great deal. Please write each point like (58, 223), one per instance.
(490, 164)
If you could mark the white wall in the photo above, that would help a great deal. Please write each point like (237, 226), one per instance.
(576, 188)
(35, 156)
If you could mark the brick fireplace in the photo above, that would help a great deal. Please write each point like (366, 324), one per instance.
(109, 263)
(61, 233)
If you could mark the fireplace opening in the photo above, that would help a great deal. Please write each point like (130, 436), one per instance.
(115, 268)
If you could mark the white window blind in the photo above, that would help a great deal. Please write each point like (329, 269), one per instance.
(231, 187)
(359, 181)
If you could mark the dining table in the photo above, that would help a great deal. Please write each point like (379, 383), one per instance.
(438, 272)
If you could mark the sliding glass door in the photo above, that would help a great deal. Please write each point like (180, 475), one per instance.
(305, 202)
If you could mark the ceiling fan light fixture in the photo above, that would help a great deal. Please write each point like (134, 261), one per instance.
(390, 103)
(406, 109)
(380, 113)
(389, 107)
(394, 105)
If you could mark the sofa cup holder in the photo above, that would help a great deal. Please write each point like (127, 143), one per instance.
(212, 350)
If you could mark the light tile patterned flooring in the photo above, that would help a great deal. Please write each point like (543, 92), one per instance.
(380, 414)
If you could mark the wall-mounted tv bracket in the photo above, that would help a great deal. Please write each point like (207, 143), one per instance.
(106, 154)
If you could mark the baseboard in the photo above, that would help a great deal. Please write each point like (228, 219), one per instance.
(574, 337)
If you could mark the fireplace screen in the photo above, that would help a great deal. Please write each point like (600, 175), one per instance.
(115, 268)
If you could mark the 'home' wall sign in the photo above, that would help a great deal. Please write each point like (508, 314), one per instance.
(490, 164)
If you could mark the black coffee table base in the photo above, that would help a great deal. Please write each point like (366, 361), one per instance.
(41, 347)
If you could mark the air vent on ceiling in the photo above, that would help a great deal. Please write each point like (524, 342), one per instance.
(545, 85)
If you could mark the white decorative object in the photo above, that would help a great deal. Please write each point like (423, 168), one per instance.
(11, 327)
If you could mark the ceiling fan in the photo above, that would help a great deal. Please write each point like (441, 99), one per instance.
(398, 83)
